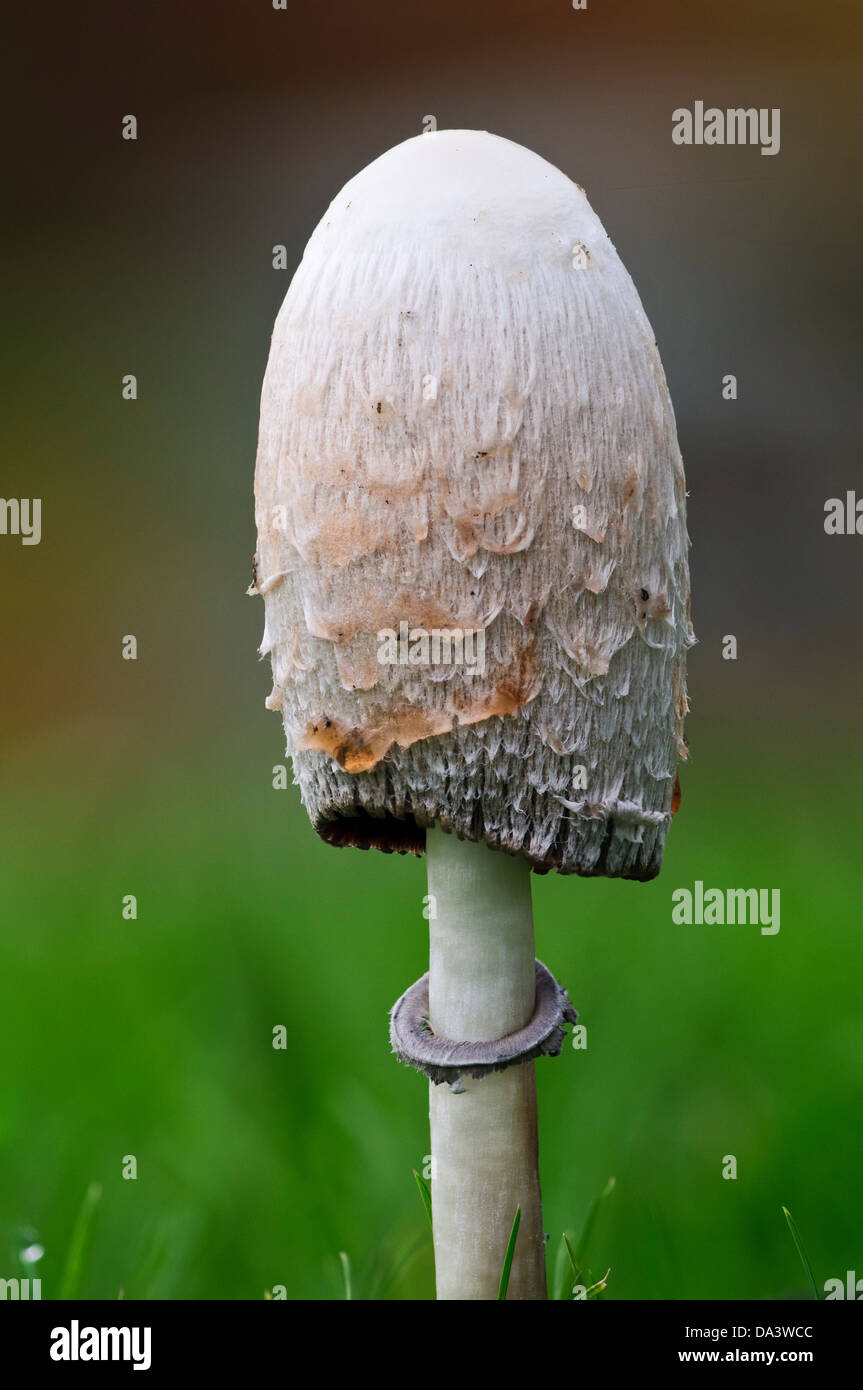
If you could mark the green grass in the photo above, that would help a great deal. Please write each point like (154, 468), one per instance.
(509, 1257)
(346, 1275)
(425, 1194)
(804, 1259)
(76, 1257)
(573, 1265)
(257, 1166)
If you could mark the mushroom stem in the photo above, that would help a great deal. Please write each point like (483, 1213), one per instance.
(483, 1138)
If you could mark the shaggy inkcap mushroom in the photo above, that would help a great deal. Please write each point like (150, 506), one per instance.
(472, 550)
(465, 428)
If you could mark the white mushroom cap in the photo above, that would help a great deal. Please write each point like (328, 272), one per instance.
(465, 425)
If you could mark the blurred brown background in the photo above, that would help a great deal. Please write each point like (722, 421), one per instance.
(155, 258)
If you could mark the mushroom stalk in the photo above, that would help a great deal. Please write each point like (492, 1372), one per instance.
(484, 1136)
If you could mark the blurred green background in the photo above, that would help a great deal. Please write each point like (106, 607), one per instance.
(257, 1166)
(153, 1037)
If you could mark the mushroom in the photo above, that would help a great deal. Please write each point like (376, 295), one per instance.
(472, 548)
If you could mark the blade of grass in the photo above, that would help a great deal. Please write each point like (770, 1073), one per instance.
(507, 1261)
(562, 1266)
(599, 1286)
(590, 1225)
(576, 1269)
(566, 1270)
(389, 1277)
(795, 1236)
(346, 1274)
(425, 1194)
(70, 1282)
(149, 1266)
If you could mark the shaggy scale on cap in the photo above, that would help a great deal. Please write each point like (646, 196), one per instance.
(465, 427)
